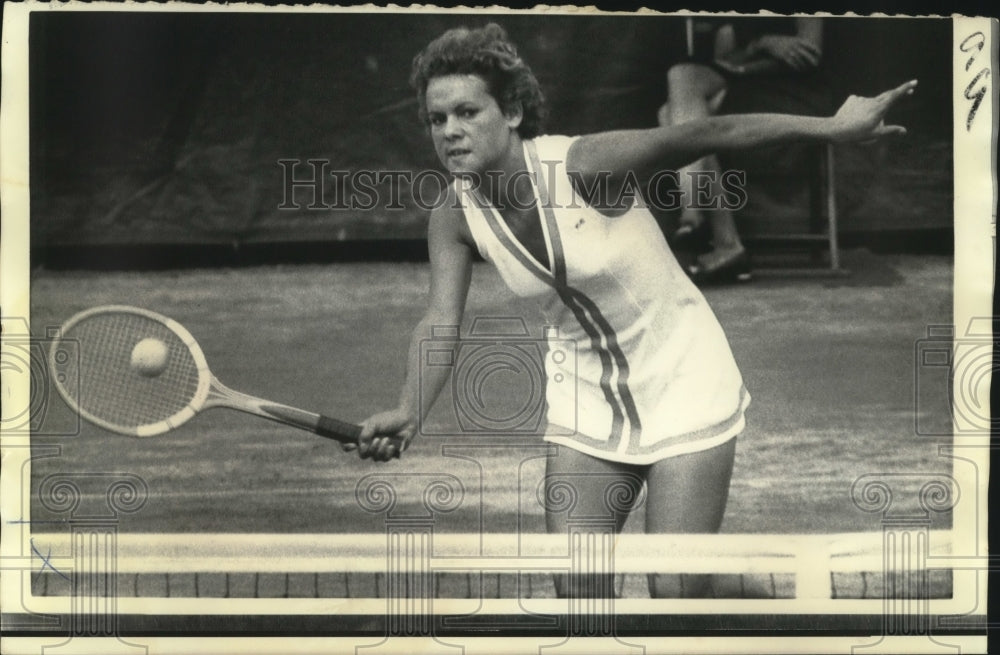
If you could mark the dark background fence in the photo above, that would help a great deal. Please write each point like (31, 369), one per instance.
(169, 129)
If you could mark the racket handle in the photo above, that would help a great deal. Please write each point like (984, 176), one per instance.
(324, 426)
(347, 432)
(334, 429)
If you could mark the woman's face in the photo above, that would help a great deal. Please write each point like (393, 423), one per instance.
(470, 132)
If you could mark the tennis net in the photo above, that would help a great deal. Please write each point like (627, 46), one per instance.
(448, 565)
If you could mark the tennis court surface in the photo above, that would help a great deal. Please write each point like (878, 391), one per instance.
(838, 395)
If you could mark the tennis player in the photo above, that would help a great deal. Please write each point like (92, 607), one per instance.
(658, 396)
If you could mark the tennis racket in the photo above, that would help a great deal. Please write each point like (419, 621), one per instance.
(97, 364)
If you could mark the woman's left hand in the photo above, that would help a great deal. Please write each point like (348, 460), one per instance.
(863, 119)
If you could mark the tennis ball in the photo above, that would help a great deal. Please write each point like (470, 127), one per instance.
(149, 357)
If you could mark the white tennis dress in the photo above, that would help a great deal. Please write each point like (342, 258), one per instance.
(654, 375)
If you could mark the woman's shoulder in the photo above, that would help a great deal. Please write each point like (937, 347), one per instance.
(448, 214)
(552, 137)
(553, 147)
(553, 140)
(448, 205)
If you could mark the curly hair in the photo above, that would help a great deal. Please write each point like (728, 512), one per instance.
(488, 53)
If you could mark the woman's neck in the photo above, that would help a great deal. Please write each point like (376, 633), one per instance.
(506, 184)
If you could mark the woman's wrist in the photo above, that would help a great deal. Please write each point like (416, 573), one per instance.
(825, 129)
(837, 131)
(408, 411)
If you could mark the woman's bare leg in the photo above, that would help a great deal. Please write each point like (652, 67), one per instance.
(586, 494)
(687, 495)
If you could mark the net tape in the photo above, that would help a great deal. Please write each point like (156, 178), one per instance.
(835, 566)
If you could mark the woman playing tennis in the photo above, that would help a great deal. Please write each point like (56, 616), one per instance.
(658, 396)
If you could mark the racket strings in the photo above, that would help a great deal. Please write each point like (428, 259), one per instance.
(103, 382)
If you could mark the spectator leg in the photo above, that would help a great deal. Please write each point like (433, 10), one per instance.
(696, 91)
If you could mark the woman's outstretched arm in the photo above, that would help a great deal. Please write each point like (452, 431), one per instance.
(641, 153)
(450, 252)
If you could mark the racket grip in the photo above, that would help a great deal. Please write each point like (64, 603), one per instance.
(339, 430)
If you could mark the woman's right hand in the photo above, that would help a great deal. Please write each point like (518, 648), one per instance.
(386, 435)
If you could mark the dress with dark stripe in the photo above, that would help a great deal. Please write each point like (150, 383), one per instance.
(653, 375)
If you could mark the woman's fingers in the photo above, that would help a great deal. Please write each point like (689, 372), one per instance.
(370, 449)
(368, 429)
(384, 449)
(890, 130)
(892, 95)
(885, 100)
(371, 431)
(387, 450)
(383, 436)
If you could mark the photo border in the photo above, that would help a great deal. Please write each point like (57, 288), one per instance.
(30, 629)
